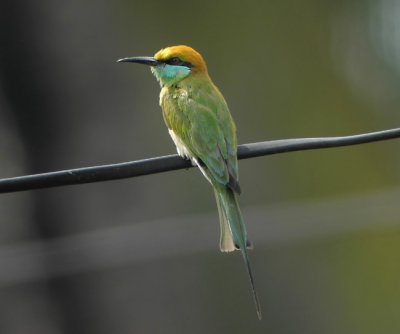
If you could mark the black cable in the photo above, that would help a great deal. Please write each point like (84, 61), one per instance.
(174, 162)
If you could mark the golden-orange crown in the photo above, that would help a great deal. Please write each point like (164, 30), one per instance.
(185, 53)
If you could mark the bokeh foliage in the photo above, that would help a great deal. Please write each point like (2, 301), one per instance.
(287, 69)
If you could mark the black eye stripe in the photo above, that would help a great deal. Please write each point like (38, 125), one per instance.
(178, 62)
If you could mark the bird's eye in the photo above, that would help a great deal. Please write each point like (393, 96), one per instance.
(174, 61)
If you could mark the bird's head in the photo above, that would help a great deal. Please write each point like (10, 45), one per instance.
(172, 64)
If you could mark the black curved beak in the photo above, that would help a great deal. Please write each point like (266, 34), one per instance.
(140, 60)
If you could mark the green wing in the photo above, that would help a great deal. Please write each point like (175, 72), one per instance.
(203, 123)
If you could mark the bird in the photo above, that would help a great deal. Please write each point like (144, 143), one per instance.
(201, 126)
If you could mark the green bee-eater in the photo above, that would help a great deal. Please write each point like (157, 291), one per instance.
(203, 131)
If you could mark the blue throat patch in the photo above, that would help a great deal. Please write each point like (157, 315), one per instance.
(170, 74)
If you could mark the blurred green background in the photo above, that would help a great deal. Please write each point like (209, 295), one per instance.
(141, 255)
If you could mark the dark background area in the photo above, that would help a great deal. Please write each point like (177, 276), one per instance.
(141, 255)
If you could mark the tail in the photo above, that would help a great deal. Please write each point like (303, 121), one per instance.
(233, 231)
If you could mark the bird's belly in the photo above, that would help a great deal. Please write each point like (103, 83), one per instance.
(185, 153)
(180, 146)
